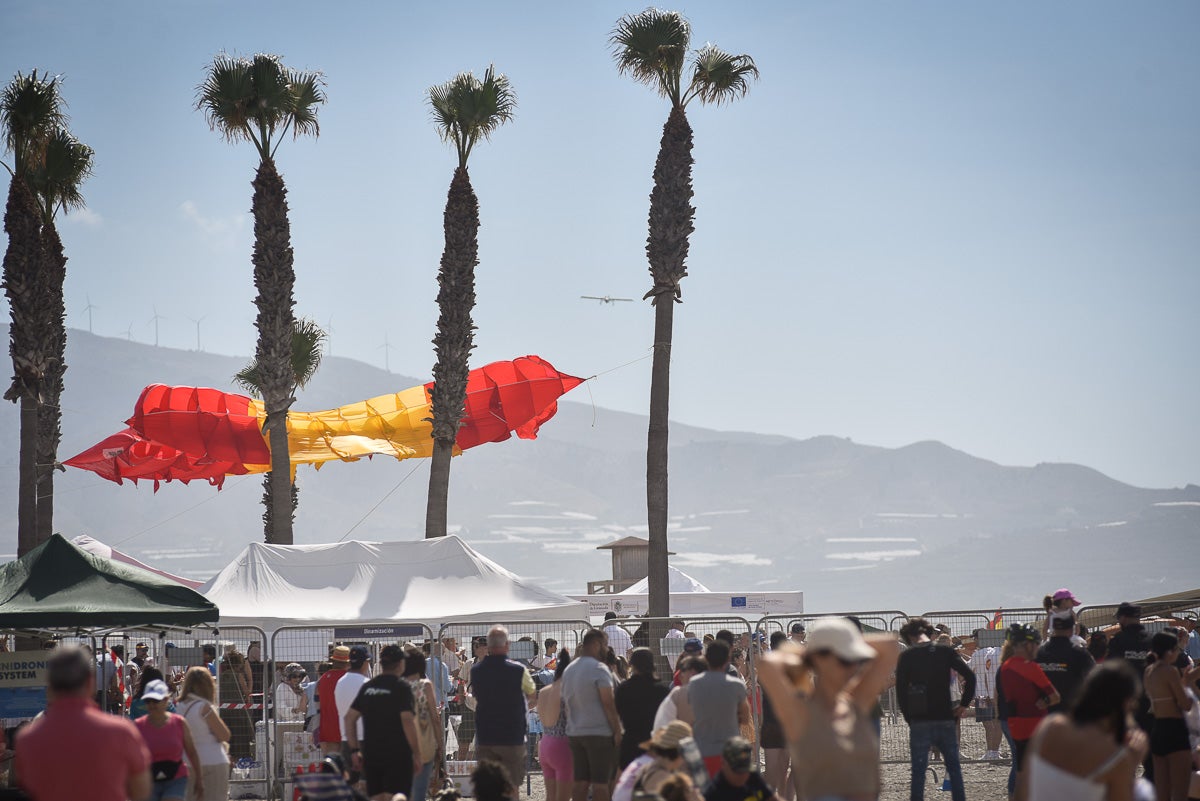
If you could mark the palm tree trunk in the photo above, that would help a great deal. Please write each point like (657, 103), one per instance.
(274, 278)
(50, 412)
(439, 490)
(670, 224)
(268, 506)
(454, 340)
(22, 265)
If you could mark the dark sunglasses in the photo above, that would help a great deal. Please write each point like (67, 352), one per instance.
(846, 663)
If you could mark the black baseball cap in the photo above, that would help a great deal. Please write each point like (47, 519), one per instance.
(739, 755)
(358, 655)
(1127, 609)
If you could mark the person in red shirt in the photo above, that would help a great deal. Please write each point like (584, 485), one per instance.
(330, 732)
(1028, 692)
(75, 746)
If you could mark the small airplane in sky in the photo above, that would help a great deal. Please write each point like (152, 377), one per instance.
(605, 298)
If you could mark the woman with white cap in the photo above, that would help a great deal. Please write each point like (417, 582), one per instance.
(168, 738)
(823, 693)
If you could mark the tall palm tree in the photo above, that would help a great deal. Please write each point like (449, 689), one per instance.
(259, 100)
(31, 108)
(466, 109)
(66, 163)
(308, 342)
(653, 48)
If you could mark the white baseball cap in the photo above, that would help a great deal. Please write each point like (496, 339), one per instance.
(840, 637)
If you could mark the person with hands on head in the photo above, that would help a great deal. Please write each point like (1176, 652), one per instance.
(823, 693)
(389, 756)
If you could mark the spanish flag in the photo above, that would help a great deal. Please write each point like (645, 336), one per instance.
(997, 620)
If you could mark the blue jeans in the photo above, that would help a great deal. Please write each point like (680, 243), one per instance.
(421, 782)
(941, 734)
(1012, 770)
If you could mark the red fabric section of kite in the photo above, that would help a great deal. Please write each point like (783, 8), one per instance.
(503, 397)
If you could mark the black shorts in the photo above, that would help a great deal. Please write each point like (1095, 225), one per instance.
(1169, 735)
(388, 772)
(772, 736)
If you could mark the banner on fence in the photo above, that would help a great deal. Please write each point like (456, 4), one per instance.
(22, 683)
(699, 603)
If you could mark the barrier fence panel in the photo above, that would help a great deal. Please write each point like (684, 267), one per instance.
(652, 633)
(242, 673)
(526, 644)
(292, 735)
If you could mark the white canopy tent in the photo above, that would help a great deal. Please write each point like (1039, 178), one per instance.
(677, 581)
(376, 583)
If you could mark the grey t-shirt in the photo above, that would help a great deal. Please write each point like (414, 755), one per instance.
(714, 696)
(581, 682)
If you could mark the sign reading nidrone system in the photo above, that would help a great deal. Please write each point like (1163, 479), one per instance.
(22, 683)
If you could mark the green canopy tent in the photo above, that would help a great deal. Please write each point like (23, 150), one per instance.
(57, 585)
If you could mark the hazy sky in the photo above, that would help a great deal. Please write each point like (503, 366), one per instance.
(971, 222)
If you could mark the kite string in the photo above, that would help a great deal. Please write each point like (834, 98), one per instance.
(153, 526)
(586, 381)
(370, 511)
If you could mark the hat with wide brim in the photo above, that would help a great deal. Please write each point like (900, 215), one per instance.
(669, 736)
(340, 654)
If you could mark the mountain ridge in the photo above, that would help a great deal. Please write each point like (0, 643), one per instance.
(824, 514)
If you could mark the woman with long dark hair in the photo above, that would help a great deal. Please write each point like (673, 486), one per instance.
(1090, 753)
(1169, 743)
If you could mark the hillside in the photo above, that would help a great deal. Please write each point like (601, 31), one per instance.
(854, 526)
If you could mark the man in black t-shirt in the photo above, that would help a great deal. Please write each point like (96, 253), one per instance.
(738, 779)
(390, 756)
(1064, 662)
(923, 691)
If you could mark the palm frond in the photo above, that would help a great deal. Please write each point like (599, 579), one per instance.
(651, 47)
(31, 108)
(307, 94)
(226, 97)
(308, 347)
(258, 99)
(719, 77)
(466, 109)
(249, 379)
(308, 343)
(65, 164)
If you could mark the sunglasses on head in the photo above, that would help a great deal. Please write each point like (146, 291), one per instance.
(846, 663)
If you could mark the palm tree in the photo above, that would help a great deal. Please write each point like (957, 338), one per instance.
(308, 342)
(66, 163)
(466, 109)
(30, 110)
(652, 47)
(259, 100)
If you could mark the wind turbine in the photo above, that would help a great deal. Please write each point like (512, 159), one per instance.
(129, 333)
(605, 299)
(88, 308)
(197, 322)
(155, 320)
(387, 349)
(329, 337)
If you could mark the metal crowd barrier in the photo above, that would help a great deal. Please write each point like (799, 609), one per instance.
(293, 742)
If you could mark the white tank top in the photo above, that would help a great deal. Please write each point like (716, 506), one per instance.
(1050, 783)
(208, 747)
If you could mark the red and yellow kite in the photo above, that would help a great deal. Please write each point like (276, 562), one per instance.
(186, 433)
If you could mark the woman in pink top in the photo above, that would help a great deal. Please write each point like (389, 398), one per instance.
(168, 739)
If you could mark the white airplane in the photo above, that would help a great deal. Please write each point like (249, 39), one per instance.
(605, 298)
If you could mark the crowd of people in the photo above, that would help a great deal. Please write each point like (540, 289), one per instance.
(1082, 715)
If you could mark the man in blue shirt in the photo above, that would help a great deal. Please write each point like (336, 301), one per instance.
(439, 675)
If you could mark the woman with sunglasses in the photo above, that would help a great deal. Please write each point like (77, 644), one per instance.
(823, 693)
(168, 738)
(291, 702)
